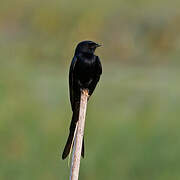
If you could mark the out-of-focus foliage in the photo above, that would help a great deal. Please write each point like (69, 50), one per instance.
(132, 127)
(131, 31)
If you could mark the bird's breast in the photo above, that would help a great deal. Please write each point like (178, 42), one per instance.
(85, 71)
(86, 65)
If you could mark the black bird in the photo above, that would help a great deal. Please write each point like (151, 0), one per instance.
(84, 73)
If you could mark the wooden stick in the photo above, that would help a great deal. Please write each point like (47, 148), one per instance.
(77, 147)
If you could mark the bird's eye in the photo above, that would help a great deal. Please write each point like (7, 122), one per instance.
(92, 45)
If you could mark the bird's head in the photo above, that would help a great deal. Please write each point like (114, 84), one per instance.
(88, 47)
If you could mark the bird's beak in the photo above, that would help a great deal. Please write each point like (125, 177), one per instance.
(98, 45)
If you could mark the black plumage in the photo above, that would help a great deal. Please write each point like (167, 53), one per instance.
(84, 73)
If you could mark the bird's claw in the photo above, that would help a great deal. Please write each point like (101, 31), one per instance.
(85, 91)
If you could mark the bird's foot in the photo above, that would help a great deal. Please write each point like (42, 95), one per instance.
(85, 91)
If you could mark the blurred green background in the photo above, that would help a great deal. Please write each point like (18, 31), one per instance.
(132, 127)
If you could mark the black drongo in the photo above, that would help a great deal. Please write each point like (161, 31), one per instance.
(84, 73)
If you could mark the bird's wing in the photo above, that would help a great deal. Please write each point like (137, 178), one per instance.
(97, 75)
(99, 66)
(71, 81)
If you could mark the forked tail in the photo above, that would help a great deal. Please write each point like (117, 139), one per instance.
(70, 139)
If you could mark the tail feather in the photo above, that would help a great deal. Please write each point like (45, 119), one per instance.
(82, 150)
(70, 139)
(68, 145)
